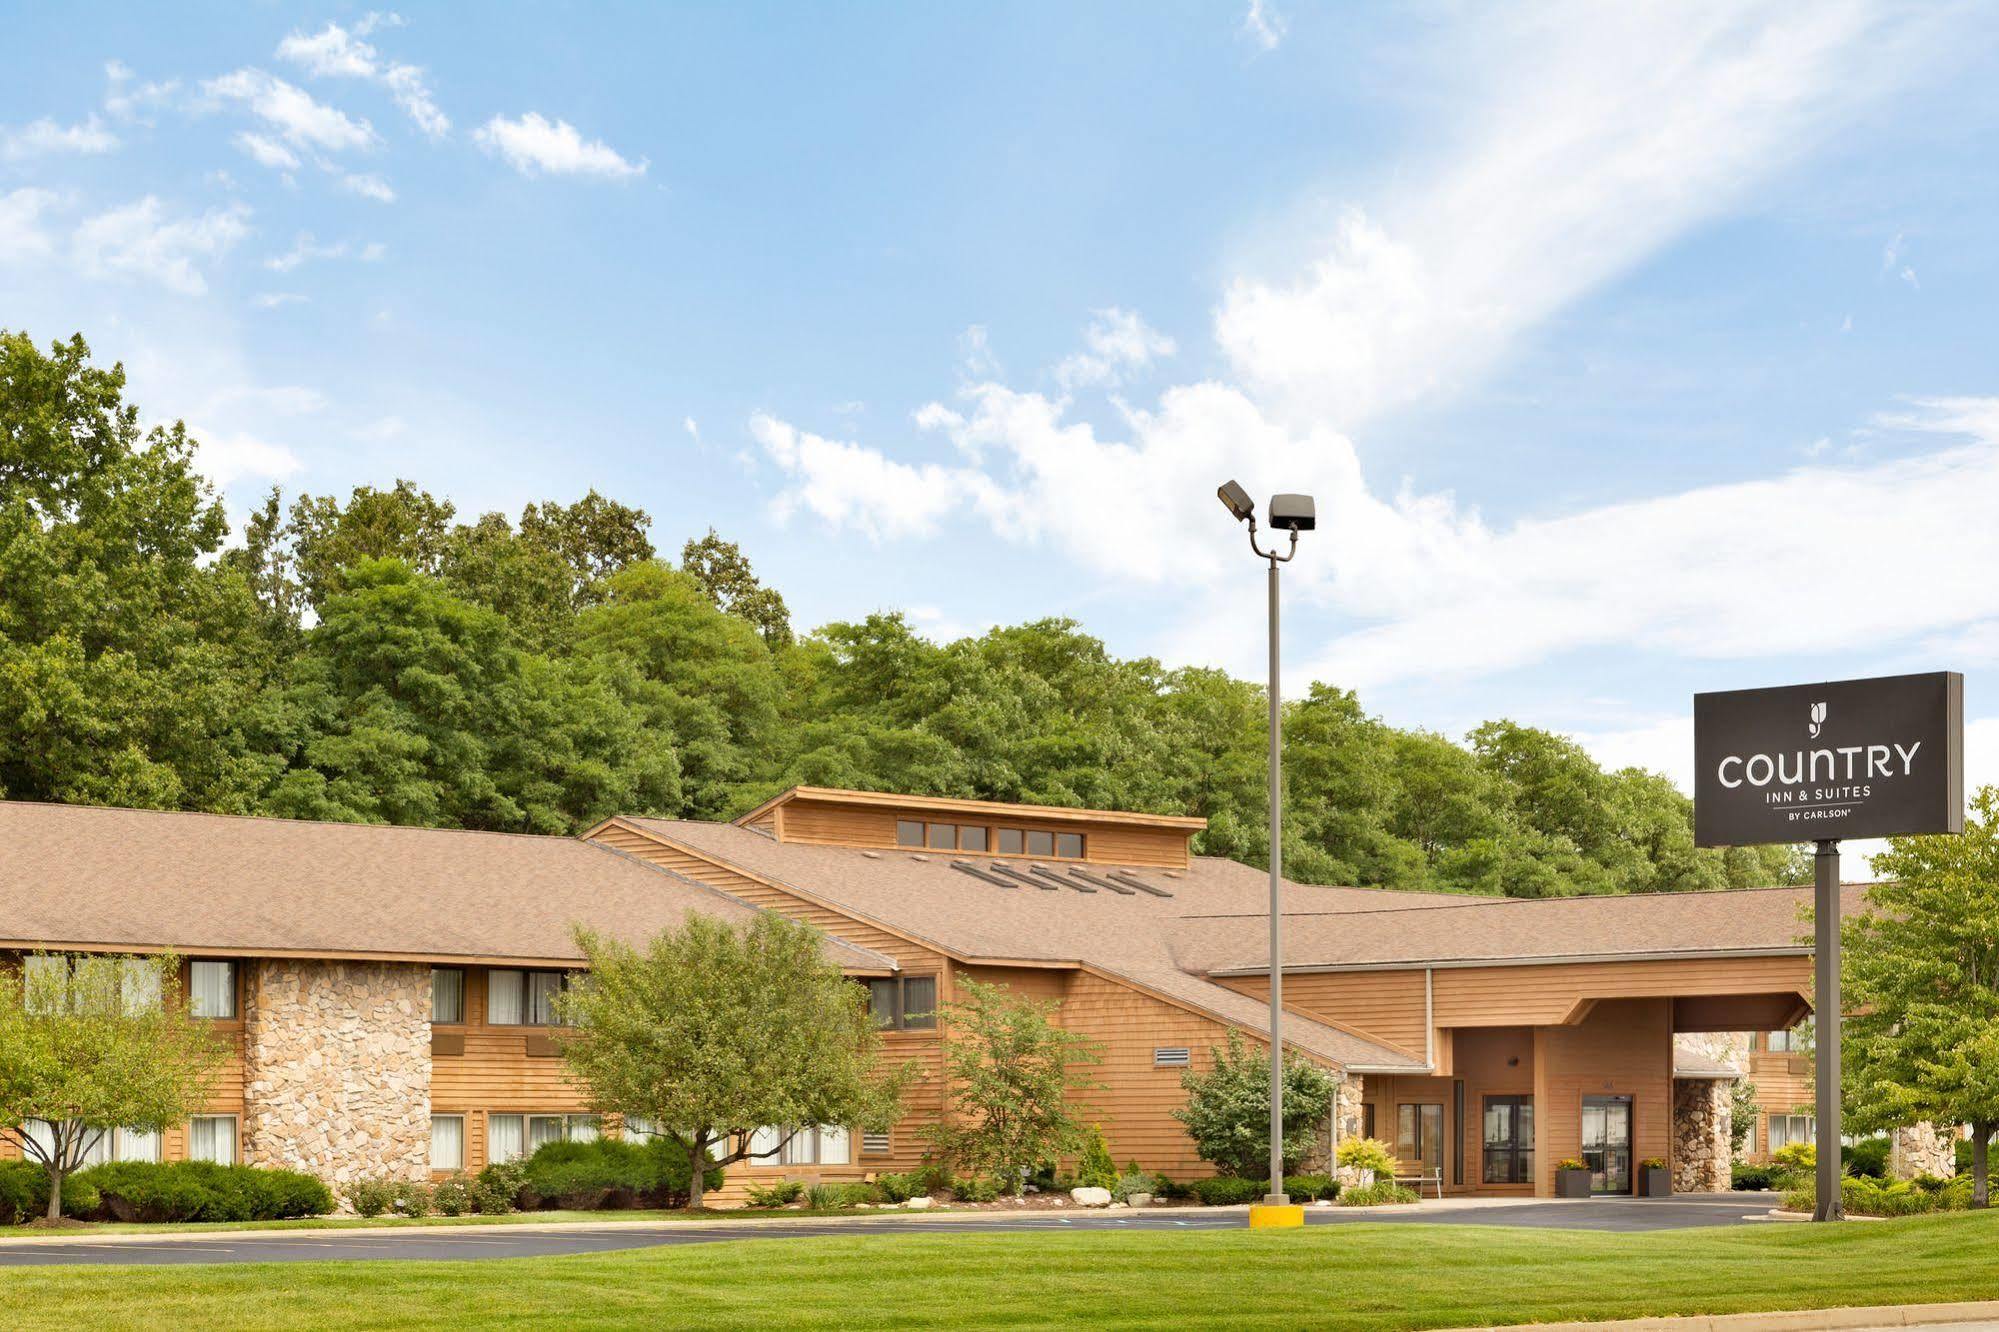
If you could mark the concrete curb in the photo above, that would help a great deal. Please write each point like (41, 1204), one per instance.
(1787, 1320)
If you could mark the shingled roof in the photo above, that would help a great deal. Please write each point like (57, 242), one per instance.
(81, 877)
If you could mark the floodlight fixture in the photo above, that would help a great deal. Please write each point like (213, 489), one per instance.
(1237, 501)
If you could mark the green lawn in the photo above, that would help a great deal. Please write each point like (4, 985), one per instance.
(1359, 1276)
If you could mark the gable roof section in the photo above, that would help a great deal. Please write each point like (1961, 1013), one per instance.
(90, 878)
(828, 795)
(920, 896)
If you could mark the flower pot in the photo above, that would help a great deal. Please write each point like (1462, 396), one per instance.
(1655, 1182)
(1571, 1183)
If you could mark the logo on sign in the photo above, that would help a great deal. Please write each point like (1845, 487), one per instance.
(1817, 722)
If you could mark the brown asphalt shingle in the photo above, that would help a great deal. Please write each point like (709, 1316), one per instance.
(78, 876)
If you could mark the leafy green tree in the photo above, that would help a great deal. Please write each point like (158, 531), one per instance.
(725, 575)
(126, 654)
(1920, 984)
(717, 1031)
(90, 1045)
(1228, 1109)
(326, 537)
(1742, 1110)
(1013, 1075)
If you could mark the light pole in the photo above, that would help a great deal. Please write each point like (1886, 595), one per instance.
(1293, 514)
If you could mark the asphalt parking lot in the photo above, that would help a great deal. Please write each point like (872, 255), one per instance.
(1630, 1215)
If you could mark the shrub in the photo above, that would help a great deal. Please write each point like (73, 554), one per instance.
(1866, 1159)
(1227, 1113)
(1134, 1180)
(1752, 1177)
(1367, 1154)
(1310, 1188)
(976, 1188)
(24, 1193)
(1653, 1163)
(452, 1195)
(1096, 1170)
(370, 1197)
(778, 1193)
(828, 1197)
(1867, 1196)
(900, 1187)
(1796, 1158)
(496, 1188)
(203, 1191)
(610, 1173)
(1170, 1188)
(413, 1199)
(1382, 1191)
(1227, 1190)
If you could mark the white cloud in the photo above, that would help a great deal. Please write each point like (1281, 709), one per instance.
(272, 300)
(368, 186)
(849, 486)
(1595, 134)
(533, 145)
(267, 151)
(975, 353)
(45, 137)
(290, 110)
(229, 456)
(22, 235)
(305, 249)
(1263, 25)
(337, 52)
(125, 100)
(141, 240)
(1116, 344)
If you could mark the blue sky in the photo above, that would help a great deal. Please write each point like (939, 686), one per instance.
(1629, 351)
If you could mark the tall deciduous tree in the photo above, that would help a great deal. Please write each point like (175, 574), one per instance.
(1014, 1075)
(714, 1032)
(90, 1045)
(1921, 986)
(726, 577)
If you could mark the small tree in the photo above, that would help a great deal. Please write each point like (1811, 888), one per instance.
(1228, 1109)
(716, 1032)
(89, 1045)
(1921, 987)
(1012, 1073)
(1742, 1112)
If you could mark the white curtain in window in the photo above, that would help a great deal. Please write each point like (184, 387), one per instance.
(139, 983)
(138, 1145)
(447, 1142)
(447, 994)
(584, 1128)
(212, 1138)
(543, 986)
(42, 1135)
(762, 1141)
(503, 1138)
(97, 1145)
(504, 992)
(637, 1128)
(45, 981)
(833, 1145)
(213, 989)
(544, 1129)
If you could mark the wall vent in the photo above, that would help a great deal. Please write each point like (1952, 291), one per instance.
(1172, 1056)
(874, 1144)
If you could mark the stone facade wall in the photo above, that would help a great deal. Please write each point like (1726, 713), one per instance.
(1702, 1155)
(1921, 1149)
(337, 1069)
(1347, 1121)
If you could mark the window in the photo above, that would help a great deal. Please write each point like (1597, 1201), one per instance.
(45, 980)
(908, 832)
(504, 1138)
(1509, 1140)
(971, 838)
(212, 1138)
(1040, 843)
(1419, 1136)
(1782, 1042)
(824, 1145)
(447, 1142)
(941, 836)
(1787, 1129)
(136, 1145)
(139, 984)
(447, 994)
(1069, 846)
(108, 1145)
(1749, 1139)
(522, 998)
(212, 989)
(1367, 1121)
(510, 1137)
(903, 1003)
(874, 1144)
(1011, 842)
(1172, 1056)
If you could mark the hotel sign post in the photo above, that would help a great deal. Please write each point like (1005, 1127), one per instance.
(1850, 758)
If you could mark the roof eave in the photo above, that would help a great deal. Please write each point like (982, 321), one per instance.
(1553, 959)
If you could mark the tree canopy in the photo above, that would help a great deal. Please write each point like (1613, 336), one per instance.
(378, 657)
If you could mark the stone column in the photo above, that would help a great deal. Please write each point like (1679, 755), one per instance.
(1702, 1141)
(337, 1069)
(1921, 1149)
(1347, 1122)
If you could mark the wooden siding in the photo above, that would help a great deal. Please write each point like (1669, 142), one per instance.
(1784, 1086)
(1105, 841)
(1623, 1048)
(1385, 1006)
(1507, 996)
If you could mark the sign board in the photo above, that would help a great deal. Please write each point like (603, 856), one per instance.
(1850, 758)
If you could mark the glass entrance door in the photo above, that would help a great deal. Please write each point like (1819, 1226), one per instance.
(1607, 1143)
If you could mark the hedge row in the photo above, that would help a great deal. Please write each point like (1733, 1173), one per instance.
(164, 1192)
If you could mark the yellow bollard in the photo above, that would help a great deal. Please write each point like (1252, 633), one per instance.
(1270, 1216)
